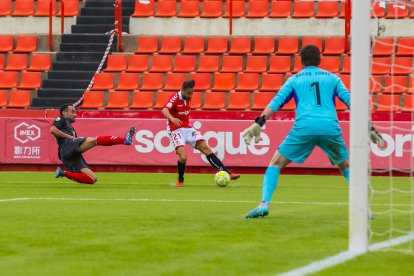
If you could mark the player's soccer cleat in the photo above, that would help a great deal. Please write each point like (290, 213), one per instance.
(179, 184)
(234, 176)
(129, 136)
(257, 212)
(59, 172)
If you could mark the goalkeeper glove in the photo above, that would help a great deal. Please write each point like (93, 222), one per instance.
(376, 138)
(254, 130)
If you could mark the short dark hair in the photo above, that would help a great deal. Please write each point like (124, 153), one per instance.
(310, 55)
(188, 84)
(64, 107)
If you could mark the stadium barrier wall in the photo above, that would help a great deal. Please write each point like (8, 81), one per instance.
(28, 141)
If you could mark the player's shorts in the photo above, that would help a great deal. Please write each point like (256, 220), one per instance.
(184, 135)
(71, 159)
(297, 148)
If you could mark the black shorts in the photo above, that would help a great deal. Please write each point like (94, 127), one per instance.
(71, 159)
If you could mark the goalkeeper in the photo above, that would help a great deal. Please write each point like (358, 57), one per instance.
(316, 124)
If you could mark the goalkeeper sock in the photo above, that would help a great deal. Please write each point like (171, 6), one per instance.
(181, 170)
(269, 182)
(216, 162)
(345, 173)
(109, 140)
(79, 177)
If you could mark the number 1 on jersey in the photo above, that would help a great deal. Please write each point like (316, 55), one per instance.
(317, 92)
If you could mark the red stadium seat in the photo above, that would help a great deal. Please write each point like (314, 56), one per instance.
(1, 62)
(297, 65)
(214, 100)
(411, 84)
(103, 81)
(380, 66)
(93, 99)
(26, 44)
(6, 43)
(116, 63)
(343, 9)
(189, 9)
(397, 10)
(19, 99)
(279, 64)
(237, 9)
(264, 45)
(240, 45)
(340, 106)
(162, 98)
(118, 100)
(261, 100)
(170, 45)
(8, 79)
(223, 82)
(271, 82)
(289, 106)
(334, 46)
(193, 44)
(327, 9)
(71, 8)
(5, 7)
(247, 82)
(408, 103)
(138, 63)
(174, 81)
(395, 84)
(232, 64)
(257, 9)
(238, 101)
(40, 62)
(43, 8)
(375, 84)
(212, 9)
(402, 66)
(4, 95)
(346, 65)
(330, 63)
(166, 9)
(30, 80)
(23, 8)
(196, 100)
(317, 41)
(142, 100)
(389, 103)
(162, 63)
(202, 81)
(152, 81)
(405, 46)
(383, 47)
(303, 9)
(208, 64)
(16, 62)
(217, 45)
(147, 45)
(280, 9)
(376, 10)
(346, 80)
(184, 63)
(143, 10)
(288, 45)
(127, 81)
(256, 64)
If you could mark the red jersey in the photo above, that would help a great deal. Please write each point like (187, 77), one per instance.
(179, 108)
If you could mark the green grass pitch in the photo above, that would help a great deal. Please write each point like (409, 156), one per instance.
(140, 224)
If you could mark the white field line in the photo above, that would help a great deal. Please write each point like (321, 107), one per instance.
(344, 256)
(182, 200)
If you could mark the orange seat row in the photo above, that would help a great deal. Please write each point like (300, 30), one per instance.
(37, 8)
(20, 62)
(16, 99)
(28, 80)
(24, 43)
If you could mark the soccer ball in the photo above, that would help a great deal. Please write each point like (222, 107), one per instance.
(222, 178)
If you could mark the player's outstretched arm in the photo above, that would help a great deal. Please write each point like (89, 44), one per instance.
(59, 134)
(170, 117)
(254, 130)
(376, 137)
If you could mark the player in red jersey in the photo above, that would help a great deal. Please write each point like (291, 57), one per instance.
(177, 111)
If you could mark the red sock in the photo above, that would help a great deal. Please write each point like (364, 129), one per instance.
(109, 140)
(79, 177)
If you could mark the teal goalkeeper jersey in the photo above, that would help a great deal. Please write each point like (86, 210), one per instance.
(314, 91)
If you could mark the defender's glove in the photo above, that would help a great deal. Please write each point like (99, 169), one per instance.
(254, 130)
(376, 138)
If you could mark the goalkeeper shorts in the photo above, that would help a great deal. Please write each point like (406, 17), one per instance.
(297, 148)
